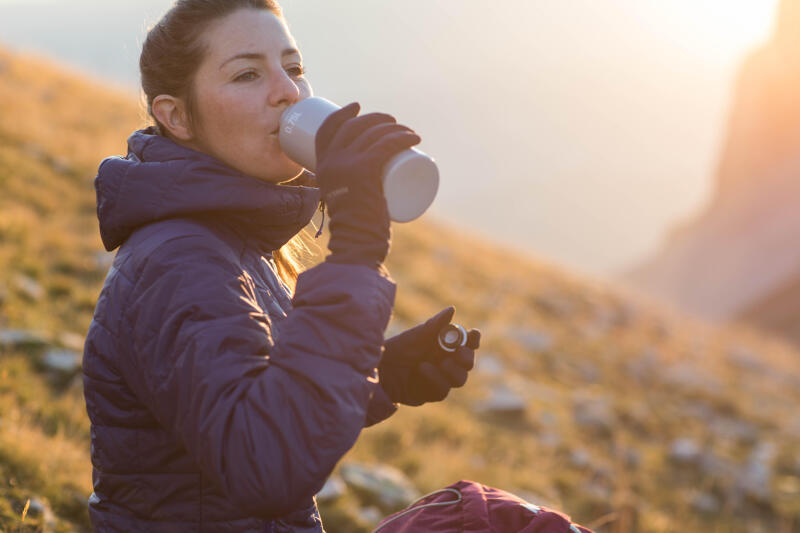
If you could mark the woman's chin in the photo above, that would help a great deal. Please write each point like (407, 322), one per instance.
(286, 171)
(292, 177)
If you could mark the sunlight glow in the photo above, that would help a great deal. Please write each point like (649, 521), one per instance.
(712, 28)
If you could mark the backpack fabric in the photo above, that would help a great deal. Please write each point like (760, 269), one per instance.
(470, 507)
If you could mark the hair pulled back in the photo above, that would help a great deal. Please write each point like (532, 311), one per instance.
(171, 56)
(173, 50)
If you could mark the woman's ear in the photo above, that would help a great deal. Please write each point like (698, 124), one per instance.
(171, 113)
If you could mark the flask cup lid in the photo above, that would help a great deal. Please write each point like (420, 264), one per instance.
(452, 336)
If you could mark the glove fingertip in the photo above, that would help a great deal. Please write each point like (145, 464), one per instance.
(474, 339)
(342, 114)
(350, 107)
(456, 374)
(330, 126)
(466, 358)
(446, 315)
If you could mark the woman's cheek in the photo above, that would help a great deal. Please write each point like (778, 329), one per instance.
(305, 88)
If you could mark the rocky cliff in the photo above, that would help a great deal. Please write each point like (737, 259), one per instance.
(737, 257)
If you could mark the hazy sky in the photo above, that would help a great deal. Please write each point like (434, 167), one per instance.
(577, 130)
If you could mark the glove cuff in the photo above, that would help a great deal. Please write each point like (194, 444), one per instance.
(380, 407)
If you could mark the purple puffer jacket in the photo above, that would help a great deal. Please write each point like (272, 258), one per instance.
(216, 402)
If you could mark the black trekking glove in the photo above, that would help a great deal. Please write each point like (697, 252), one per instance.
(351, 153)
(415, 369)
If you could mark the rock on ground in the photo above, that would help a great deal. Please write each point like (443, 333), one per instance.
(383, 485)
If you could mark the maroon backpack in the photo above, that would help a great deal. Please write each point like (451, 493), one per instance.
(469, 507)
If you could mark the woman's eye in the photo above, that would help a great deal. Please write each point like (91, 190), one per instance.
(246, 76)
(297, 71)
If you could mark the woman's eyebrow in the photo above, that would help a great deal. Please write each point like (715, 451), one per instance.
(257, 55)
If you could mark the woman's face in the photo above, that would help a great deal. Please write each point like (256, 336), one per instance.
(251, 72)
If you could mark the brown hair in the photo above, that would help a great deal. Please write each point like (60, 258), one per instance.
(171, 56)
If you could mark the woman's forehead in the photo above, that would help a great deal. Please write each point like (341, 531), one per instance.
(248, 32)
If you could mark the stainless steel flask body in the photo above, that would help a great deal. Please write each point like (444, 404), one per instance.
(410, 178)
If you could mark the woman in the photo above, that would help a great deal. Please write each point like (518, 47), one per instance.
(220, 400)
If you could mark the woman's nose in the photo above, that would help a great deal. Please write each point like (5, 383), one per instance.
(284, 91)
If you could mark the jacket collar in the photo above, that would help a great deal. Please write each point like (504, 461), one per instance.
(161, 179)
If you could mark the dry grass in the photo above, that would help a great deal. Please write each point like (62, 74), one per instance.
(601, 346)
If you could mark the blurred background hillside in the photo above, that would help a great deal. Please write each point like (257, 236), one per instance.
(605, 119)
(619, 123)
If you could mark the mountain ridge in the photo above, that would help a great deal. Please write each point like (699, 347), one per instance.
(737, 258)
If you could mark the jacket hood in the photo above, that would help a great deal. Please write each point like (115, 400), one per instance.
(161, 179)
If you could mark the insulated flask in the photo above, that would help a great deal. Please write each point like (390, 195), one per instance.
(410, 178)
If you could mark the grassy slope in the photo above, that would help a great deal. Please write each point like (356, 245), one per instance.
(607, 349)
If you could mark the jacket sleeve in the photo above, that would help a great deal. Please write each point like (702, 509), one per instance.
(266, 414)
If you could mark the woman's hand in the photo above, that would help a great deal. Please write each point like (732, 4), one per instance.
(415, 369)
(351, 154)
